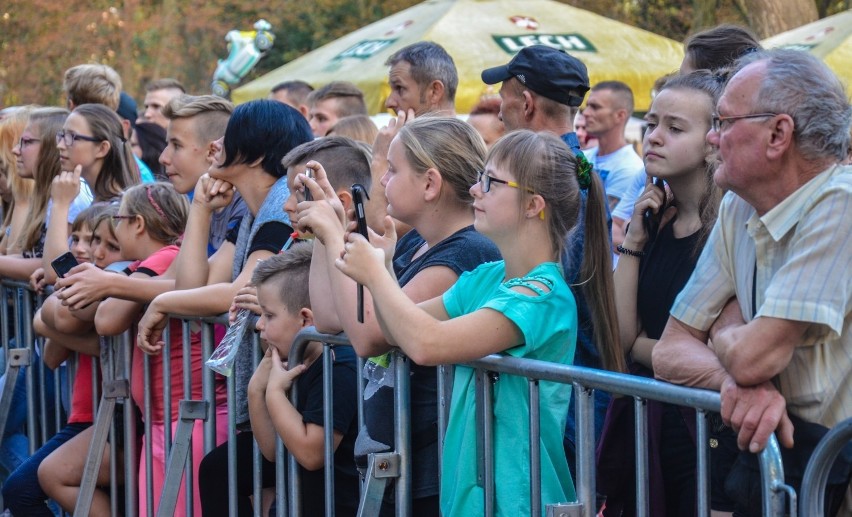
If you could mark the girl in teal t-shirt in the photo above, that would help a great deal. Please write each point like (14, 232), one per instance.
(526, 200)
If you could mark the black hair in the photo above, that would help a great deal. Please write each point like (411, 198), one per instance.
(264, 130)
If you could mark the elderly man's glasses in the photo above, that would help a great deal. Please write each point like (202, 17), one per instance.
(485, 182)
(719, 121)
(69, 138)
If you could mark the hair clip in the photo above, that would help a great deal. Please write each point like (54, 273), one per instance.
(584, 171)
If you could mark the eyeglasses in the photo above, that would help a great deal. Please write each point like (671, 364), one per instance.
(69, 138)
(117, 218)
(485, 181)
(27, 141)
(719, 120)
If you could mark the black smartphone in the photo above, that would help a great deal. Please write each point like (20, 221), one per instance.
(308, 196)
(63, 264)
(358, 195)
(652, 220)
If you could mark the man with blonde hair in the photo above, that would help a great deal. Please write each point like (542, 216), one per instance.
(92, 84)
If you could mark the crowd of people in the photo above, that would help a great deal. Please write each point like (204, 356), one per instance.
(710, 257)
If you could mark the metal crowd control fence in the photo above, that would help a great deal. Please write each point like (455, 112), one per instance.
(115, 359)
(816, 473)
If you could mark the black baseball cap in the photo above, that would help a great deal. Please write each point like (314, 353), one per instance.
(547, 71)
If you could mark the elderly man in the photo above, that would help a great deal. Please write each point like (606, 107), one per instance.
(542, 89)
(771, 289)
(422, 78)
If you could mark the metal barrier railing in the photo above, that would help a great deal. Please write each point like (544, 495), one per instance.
(816, 474)
(382, 467)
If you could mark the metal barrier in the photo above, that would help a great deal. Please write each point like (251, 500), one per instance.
(816, 474)
(116, 361)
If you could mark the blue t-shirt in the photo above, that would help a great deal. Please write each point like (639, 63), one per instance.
(463, 251)
(548, 324)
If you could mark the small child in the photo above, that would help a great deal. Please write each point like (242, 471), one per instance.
(282, 291)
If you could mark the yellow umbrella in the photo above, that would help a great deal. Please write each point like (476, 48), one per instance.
(480, 34)
(829, 39)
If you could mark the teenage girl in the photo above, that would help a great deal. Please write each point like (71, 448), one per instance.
(16, 191)
(37, 158)
(432, 163)
(526, 201)
(91, 147)
(657, 260)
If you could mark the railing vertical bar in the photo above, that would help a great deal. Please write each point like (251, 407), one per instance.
(131, 471)
(149, 446)
(702, 475)
(584, 408)
(535, 448)
(232, 446)
(26, 335)
(186, 343)
(167, 388)
(257, 462)
(208, 386)
(641, 439)
(402, 431)
(328, 426)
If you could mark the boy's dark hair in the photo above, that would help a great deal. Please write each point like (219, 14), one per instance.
(264, 130)
(344, 160)
(290, 270)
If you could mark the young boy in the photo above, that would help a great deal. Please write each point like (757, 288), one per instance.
(282, 292)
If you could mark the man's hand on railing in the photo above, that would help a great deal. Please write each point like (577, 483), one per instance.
(755, 412)
(84, 285)
(150, 330)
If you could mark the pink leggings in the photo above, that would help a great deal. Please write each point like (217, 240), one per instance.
(159, 463)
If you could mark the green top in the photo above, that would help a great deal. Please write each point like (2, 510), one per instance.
(548, 322)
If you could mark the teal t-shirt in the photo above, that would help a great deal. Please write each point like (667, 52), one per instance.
(548, 323)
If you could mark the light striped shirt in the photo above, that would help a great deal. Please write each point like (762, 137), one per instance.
(803, 251)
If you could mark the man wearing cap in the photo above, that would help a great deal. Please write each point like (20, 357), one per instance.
(127, 112)
(541, 91)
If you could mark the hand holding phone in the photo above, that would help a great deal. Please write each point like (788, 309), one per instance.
(63, 264)
(652, 220)
(358, 195)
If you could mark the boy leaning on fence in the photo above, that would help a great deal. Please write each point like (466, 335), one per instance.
(282, 292)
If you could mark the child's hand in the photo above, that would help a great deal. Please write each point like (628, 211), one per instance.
(212, 194)
(37, 280)
(385, 242)
(360, 261)
(150, 330)
(260, 377)
(83, 285)
(323, 194)
(281, 379)
(246, 298)
(66, 186)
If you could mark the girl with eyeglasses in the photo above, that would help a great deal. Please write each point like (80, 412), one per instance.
(17, 202)
(526, 201)
(92, 148)
(150, 221)
(37, 158)
(431, 164)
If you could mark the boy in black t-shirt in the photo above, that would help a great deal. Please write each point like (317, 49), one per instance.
(282, 293)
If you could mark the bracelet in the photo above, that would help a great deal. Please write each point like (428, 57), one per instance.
(632, 253)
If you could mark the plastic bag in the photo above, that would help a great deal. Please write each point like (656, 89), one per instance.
(222, 359)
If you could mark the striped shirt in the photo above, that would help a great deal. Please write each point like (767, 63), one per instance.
(802, 249)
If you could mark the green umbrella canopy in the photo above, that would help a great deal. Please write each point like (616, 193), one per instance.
(830, 39)
(479, 34)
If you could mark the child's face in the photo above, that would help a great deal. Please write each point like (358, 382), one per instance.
(81, 244)
(123, 234)
(105, 249)
(277, 325)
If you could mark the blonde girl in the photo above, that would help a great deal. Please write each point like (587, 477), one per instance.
(526, 201)
(16, 190)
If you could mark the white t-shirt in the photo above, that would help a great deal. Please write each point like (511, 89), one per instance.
(620, 171)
